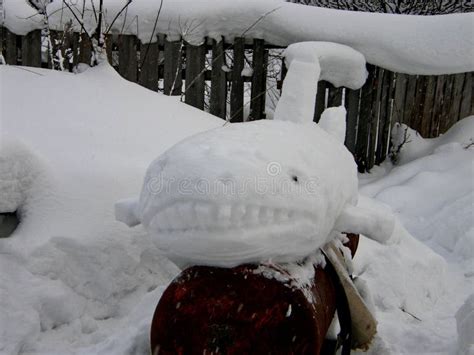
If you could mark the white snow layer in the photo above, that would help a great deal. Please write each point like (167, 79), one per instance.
(75, 281)
(425, 45)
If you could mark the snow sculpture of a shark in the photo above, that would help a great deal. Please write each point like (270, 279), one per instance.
(256, 191)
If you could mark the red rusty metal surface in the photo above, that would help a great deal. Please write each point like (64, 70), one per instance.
(238, 311)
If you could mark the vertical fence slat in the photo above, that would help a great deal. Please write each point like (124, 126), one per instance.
(257, 94)
(149, 65)
(195, 61)
(85, 49)
(128, 65)
(384, 116)
(410, 100)
(373, 119)
(31, 49)
(363, 129)
(218, 99)
(458, 85)
(334, 96)
(399, 98)
(320, 104)
(447, 102)
(428, 106)
(437, 105)
(467, 101)
(237, 93)
(10, 51)
(417, 115)
(352, 107)
(172, 77)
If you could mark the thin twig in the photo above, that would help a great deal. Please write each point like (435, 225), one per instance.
(152, 32)
(117, 16)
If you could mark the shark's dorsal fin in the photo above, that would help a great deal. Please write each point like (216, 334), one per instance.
(309, 62)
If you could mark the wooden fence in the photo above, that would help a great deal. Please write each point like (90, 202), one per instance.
(212, 77)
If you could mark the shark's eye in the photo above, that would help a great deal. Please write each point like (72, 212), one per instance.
(294, 178)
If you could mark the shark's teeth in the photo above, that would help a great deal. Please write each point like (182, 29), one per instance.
(202, 215)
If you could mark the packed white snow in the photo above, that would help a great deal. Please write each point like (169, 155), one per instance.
(425, 45)
(310, 62)
(76, 281)
(202, 207)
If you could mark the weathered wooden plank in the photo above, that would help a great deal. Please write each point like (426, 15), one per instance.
(410, 100)
(334, 96)
(9, 46)
(399, 98)
(417, 114)
(237, 93)
(195, 61)
(320, 103)
(428, 106)
(467, 102)
(172, 68)
(365, 120)
(373, 119)
(384, 117)
(149, 66)
(446, 108)
(257, 106)
(109, 45)
(352, 99)
(454, 111)
(218, 102)
(83, 49)
(31, 49)
(437, 105)
(128, 64)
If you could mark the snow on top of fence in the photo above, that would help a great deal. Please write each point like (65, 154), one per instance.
(427, 45)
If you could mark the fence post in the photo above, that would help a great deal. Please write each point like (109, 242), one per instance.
(456, 101)
(172, 77)
(399, 98)
(383, 138)
(428, 106)
(448, 99)
(367, 93)
(10, 49)
(194, 84)
(257, 103)
(128, 66)
(149, 65)
(31, 49)
(352, 107)
(320, 104)
(334, 96)
(437, 105)
(417, 115)
(467, 102)
(218, 101)
(237, 93)
(410, 100)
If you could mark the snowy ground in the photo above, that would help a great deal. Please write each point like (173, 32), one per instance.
(73, 280)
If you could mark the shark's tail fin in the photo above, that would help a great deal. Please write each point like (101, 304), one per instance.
(126, 211)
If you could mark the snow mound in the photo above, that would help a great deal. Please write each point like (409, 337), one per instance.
(20, 173)
(465, 327)
(410, 145)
